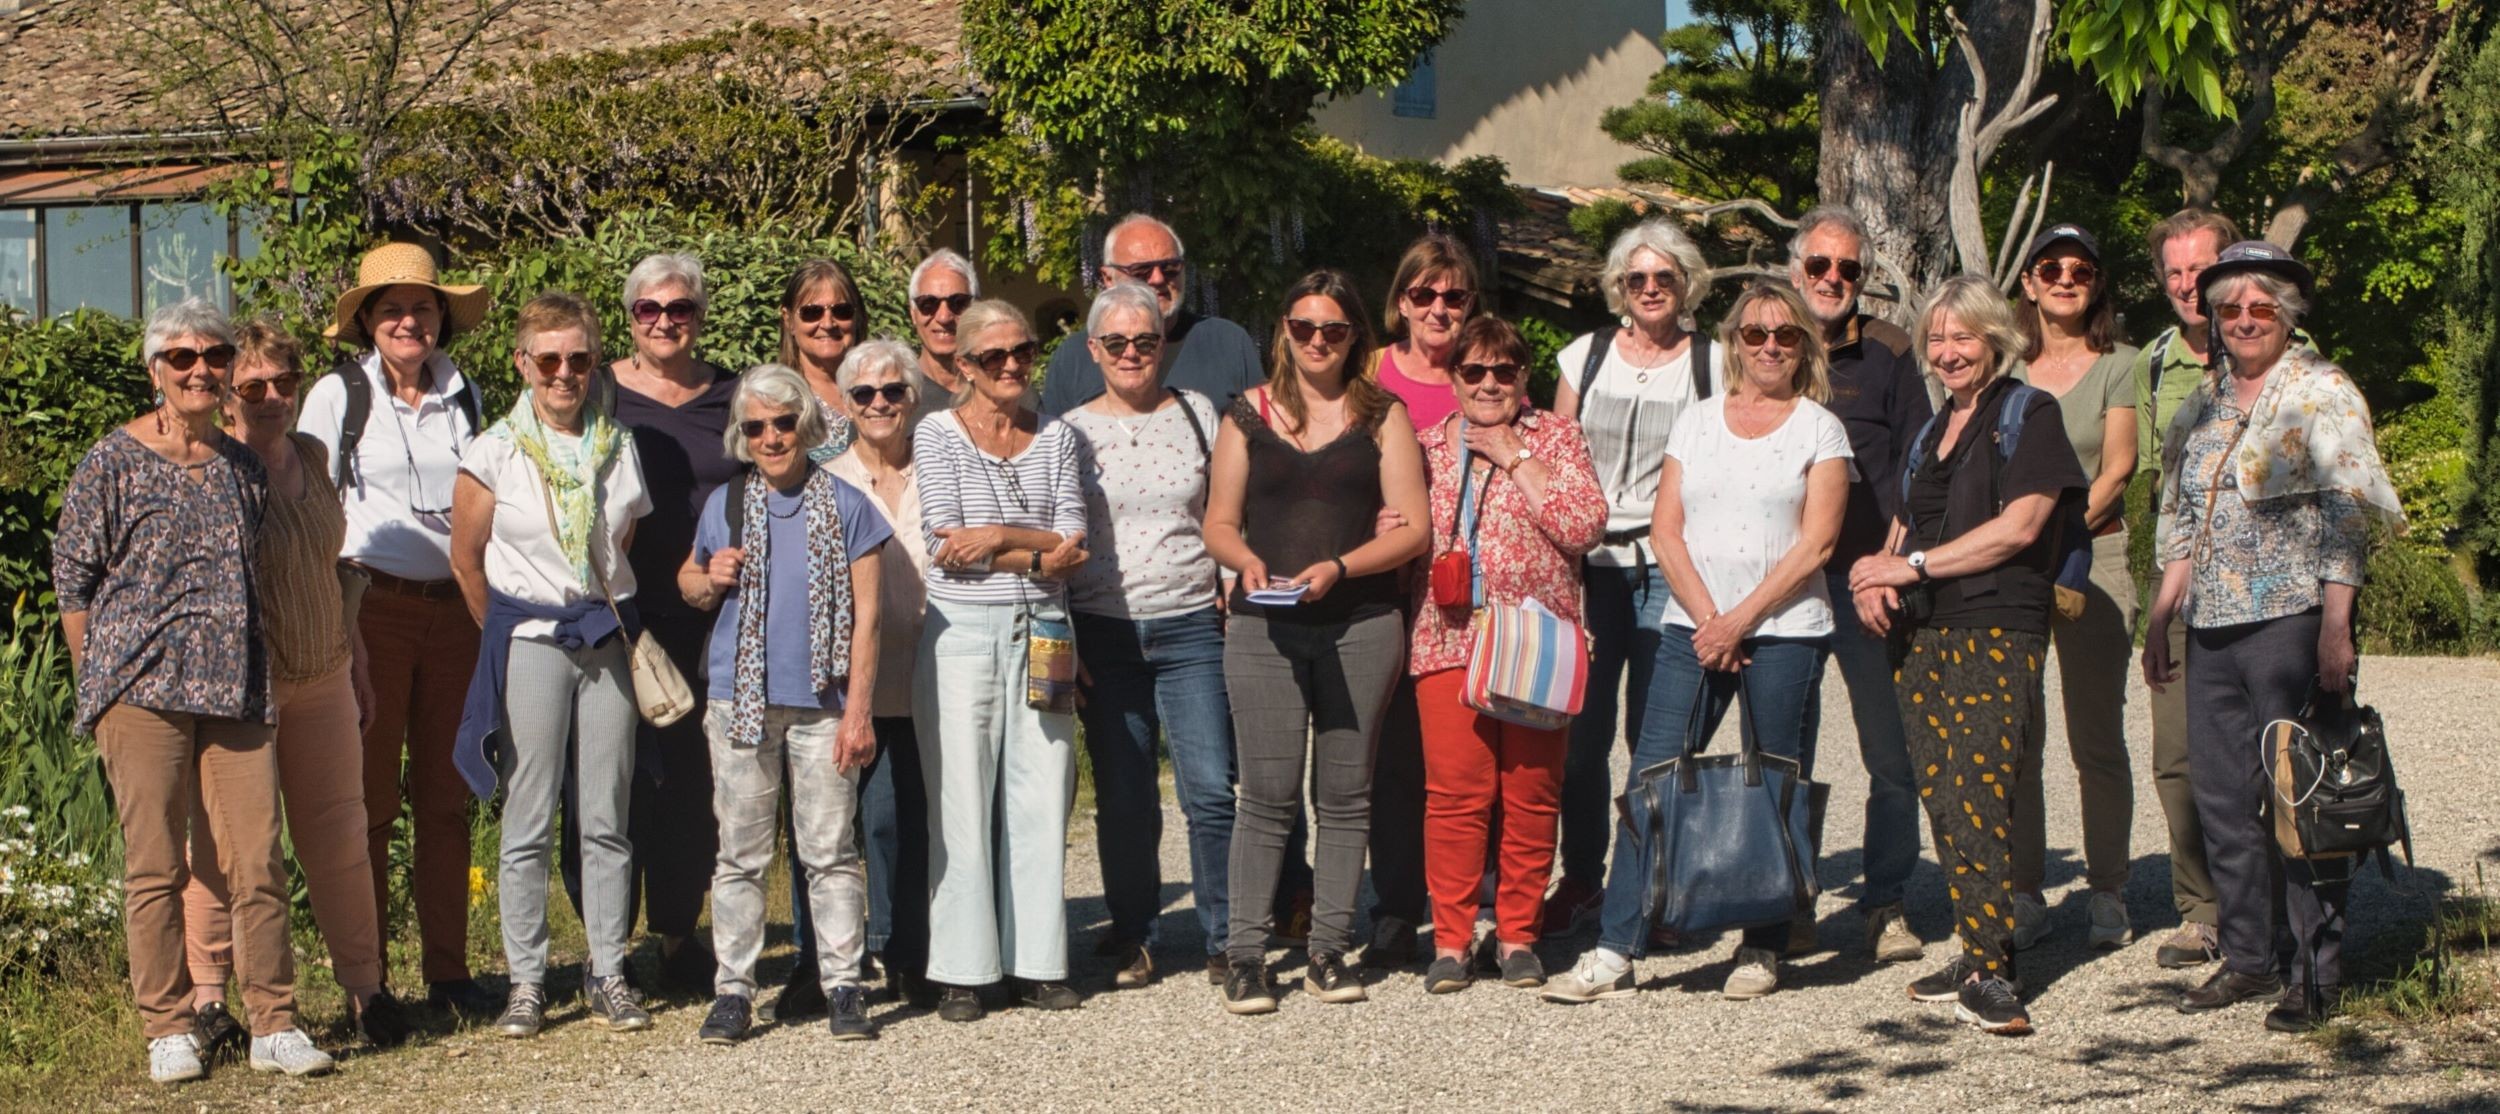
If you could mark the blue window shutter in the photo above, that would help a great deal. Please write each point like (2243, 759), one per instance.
(1417, 96)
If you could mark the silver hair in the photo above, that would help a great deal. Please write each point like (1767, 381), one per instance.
(946, 257)
(1981, 308)
(782, 388)
(1123, 295)
(1660, 235)
(664, 267)
(1831, 216)
(880, 354)
(2273, 286)
(190, 317)
(1179, 251)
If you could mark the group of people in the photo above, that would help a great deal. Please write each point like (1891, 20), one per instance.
(898, 577)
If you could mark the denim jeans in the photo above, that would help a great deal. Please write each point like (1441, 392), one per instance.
(1159, 677)
(1685, 706)
(1892, 815)
(894, 836)
(1623, 615)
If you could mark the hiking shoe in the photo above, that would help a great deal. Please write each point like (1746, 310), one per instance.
(1589, 981)
(2107, 914)
(803, 995)
(175, 1059)
(1888, 935)
(1573, 903)
(2031, 922)
(1757, 973)
(1293, 921)
(960, 1003)
(732, 1015)
(217, 1036)
(1523, 969)
(1046, 995)
(1329, 981)
(1801, 934)
(2229, 988)
(1448, 975)
(1249, 989)
(1217, 968)
(462, 996)
(1393, 944)
(2297, 1014)
(2193, 945)
(1991, 1004)
(525, 1009)
(383, 1021)
(1945, 983)
(1137, 967)
(289, 1051)
(618, 1004)
(848, 1015)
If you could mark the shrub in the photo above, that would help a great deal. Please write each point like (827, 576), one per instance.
(46, 767)
(2414, 603)
(64, 383)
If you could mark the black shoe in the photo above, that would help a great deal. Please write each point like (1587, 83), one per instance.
(960, 1003)
(1447, 975)
(732, 1015)
(219, 1035)
(1945, 983)
(1991, 1004)
(464, 997)
(803, 995)
(2229, 988)
(1329, 981)
(1249, 989)
(849, 1015)
(2296, 1014)
(383, 1021)
(1393, 944)
(689, 969)
(1046, 995)
(1523, 969)
(616, 1003)
(1217, 968)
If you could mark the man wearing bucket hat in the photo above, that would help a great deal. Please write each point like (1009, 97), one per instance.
(395, 418)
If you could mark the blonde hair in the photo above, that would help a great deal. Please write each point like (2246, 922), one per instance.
(1813, 379)
(1977, 304)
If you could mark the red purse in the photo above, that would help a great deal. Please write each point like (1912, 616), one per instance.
(1454, 571)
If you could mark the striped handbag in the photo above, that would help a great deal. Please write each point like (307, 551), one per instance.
(1528, 666)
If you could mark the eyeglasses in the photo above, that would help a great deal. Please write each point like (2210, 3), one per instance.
(994, 360)
(928, 304)
(548, 362)
(754, 427)
(681, 311)
(1850, 269)
(1504, 374)
(814, 312)
(892, 393)
(1422, 297)
(2262, 311)
(1145, 271)
(2054, 270)
(1147, 344)
(1332, 332)
(284, 385)
(1789, 336)
(219, 357)
(1637, 281)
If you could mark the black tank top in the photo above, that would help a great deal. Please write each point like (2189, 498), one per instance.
(1299, 509)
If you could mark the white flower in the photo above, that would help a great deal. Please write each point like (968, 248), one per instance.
(15, 812)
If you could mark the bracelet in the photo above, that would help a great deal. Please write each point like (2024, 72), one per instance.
(1342, 574)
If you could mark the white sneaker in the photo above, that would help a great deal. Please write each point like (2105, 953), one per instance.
(291, 1052)
(1589, 981)
(2031, 921)
(174, 1059)
(2110, 927)
(1757, 973)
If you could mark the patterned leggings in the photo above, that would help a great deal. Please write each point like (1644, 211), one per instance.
(1968, 697)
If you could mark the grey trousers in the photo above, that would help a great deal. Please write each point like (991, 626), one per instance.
(2238, 679)
(1327, 683)
(2094, 653)
(824, 811)
(568, 720)
(2191, 883)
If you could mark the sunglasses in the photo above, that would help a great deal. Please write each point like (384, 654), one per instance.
(1504, 374)
(994, 360)
(2262, 311)
(283, 385)
(2053, 270)
(1145, 272)
(928, 304)
(548, 362)
(1790, 336)
(1332, 332)
(783, 423)
(679, 312)
(1850, 269)
(1422, 297)
(219, 357)
(1147, 344)
(892, 393)
(812, 312)
(1642, 280)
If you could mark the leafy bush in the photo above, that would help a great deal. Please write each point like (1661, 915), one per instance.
(64, 383)
(46, 766)
(2414, 603)
(50, 897)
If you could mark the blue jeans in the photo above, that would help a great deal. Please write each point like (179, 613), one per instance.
(1159, 677)
(1892, 812)
(1623, 615)
(1685, 706)
(894, 837)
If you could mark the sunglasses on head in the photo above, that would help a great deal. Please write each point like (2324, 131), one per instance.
(548, 362)
(2262, 311)
(1505, 374)
(1422, 297)
(1850, 269)
(1145, 271)
(814, 312)
(1789, 336)
(994, 360)
(892, 393)
(1662, 279)
(928, 304)
(219, 357)
(1147, 344)
(2058, 270)
(679, 312)
(284, 385)
(1332, 332)
(783, 423)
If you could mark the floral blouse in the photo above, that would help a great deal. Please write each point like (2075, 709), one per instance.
(2254, 560)
(1520, 554)
(162, 562)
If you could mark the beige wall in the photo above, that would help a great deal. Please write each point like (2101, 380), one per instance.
(1524, 80)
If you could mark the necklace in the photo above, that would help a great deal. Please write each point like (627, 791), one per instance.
(1640, 372)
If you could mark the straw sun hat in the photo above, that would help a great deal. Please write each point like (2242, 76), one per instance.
(402, 265)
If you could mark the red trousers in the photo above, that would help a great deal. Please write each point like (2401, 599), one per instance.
(1472, 760)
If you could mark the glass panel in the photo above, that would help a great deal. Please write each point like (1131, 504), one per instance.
(87, 258)
(179, 244)
(17, 258)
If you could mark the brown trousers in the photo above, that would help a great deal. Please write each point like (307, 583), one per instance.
(164, 766)
(420, 653)
(321, 777)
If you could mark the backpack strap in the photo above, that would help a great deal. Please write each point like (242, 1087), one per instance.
(1916, 459)
(1600, 342)
(1703, 381)
(2160, 353)
(1189, 418)
(733, 508)
(352, 419)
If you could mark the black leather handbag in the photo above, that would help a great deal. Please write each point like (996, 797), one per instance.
(2334, 783)
(1723, 840)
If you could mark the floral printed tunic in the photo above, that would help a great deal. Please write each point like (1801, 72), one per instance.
(1521, 554)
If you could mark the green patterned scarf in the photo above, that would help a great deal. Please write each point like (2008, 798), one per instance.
(572, 466)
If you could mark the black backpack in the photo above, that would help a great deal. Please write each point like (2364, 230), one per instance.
(2334, 785)
(1603, 341)
(351, 373)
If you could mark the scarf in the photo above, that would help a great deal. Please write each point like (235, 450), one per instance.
(571, 467)
(828, 599)
(2308, 432)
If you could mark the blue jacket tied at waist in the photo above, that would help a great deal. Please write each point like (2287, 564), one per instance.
(579, 627)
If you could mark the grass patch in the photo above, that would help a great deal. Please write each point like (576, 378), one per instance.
(2441, 994)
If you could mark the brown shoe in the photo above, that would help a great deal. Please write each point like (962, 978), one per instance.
(1137, 968)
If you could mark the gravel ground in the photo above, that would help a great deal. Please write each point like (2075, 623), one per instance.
(1840, 1034)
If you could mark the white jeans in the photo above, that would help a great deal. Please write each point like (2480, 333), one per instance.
(992, 764)
(824, 805)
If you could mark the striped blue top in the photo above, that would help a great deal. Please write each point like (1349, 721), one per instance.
(960, 485)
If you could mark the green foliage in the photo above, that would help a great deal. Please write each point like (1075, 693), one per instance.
(2123, 45)
(1733, 113)
(2413, 603)
(2465, 179)
(1599, 222)
(46, 766)
(64, 383)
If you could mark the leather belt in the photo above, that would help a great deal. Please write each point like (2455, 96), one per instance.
(421, 589)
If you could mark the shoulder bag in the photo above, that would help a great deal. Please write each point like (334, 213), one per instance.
(661, 694)
(1722, 840)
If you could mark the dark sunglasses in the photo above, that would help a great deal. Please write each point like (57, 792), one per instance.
(1850, 269)
(754, 427)
(928, 304)
(2055, 270)
(892, 393)
(679, 312)
(219, 357)
(1504, 374)
(548, 362)
(1790, 336)
(1333, 332)
(813, 312)
(283, 385)
(1422, 297)
(994, 360)
(1145, 272)
(1637, 281)
(1147, 344)
(2262, 311)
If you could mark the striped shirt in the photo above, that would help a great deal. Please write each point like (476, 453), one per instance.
(960, 485)
(1626, 416)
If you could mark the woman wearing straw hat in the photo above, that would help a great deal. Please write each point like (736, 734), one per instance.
(395, 419)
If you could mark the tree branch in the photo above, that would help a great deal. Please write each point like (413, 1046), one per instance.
(1976, 140)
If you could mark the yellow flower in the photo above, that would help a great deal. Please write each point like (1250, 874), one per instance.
(477, 885)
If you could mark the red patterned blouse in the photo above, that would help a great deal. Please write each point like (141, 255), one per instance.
(1521, 554)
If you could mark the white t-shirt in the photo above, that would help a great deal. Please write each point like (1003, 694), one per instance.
(399, 502)
(523, 558)
(1625, 415)
(1145, 486)
(1743, 503)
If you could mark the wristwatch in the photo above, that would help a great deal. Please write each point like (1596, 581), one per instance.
(1524, 454)
(1037, 564)
(1918, 564)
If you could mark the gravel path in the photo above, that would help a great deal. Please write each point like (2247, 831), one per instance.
(1841, 1034)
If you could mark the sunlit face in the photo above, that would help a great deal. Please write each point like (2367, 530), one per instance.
(1957, 354)
(2061, 281)
(2183, 259)
(192, 372)
(1653, 289)
(776, 450)
(886, 415)
(2254, 341)
(1133, 369)
(936, 325)
(1489, 384)
(1831, 295)
(834, 328)
(1434, 306)
(1145, 253)
(276, 387)
(405, 322)
(556, 365)
(1000, 359)
(671, 332)
(1319, 349)
(1770, 365)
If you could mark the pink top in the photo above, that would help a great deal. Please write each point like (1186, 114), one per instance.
(1426, 403)
(1522, 555)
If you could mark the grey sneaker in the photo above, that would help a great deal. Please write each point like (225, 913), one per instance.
(1993, 1005)
(1522, 969)
(617, 1004)
(1588, 981)
(2110, 928)
(2031, 922)
(1945, 983)
(524, 1010)
(289, 1051)
(175, 1059)
(848, 1008)
(1757, 973)
(1888, 935)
